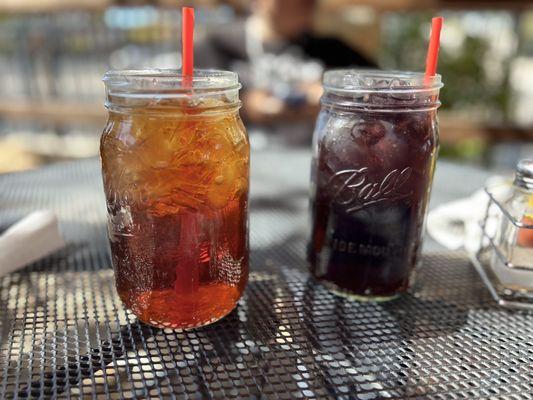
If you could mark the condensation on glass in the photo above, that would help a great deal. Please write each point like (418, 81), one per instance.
(375, 147)
(175, 164)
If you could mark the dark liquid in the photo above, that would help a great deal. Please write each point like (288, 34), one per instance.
(372, 178)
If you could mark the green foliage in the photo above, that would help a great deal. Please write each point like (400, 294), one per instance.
(467, 149)
(468, 86)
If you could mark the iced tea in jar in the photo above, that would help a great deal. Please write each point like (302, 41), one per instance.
(175, 165)
(375, 147)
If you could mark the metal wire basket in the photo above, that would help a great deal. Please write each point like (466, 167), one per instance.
(506, 296)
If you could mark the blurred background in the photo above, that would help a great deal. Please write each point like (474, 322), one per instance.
(53, 54)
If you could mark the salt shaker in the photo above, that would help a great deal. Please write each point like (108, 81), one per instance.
(512, 259)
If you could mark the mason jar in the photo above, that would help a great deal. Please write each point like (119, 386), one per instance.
(374, 152)
(175, 166)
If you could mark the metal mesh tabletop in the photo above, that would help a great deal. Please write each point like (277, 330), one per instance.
(65, 334)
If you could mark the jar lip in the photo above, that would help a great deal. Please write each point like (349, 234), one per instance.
(379, 81)
(168, 82)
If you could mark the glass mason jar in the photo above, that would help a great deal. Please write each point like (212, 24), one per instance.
(175, 165)
(375, 147)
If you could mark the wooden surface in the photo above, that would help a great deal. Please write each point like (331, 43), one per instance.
(453, 128)
(53, 111)
(382, 5)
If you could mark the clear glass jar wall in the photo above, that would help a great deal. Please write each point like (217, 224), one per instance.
(375, 147)
(175, 164)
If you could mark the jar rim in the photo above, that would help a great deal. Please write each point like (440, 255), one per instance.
(168, 83)
(360, 81)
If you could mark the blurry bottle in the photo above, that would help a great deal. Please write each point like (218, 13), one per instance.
(514, 263)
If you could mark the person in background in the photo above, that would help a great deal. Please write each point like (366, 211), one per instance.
(280, 64)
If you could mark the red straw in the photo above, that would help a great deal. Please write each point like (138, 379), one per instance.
(433, 49)
(187, 43)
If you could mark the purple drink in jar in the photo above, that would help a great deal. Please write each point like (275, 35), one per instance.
(375, 147)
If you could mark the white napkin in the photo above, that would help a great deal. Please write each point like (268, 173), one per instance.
(29, 240)
(457, 224)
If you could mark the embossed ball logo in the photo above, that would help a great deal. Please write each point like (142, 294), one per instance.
(353, 189)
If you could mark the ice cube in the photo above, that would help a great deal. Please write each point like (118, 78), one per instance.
(368, 132)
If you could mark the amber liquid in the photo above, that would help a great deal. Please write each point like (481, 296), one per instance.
(177, 194)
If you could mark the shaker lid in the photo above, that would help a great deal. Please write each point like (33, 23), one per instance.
(524, 174)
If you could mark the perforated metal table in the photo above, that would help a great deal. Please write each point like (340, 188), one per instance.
(64, 333)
